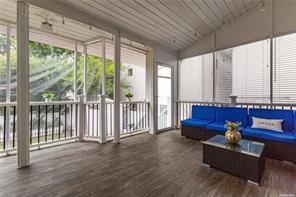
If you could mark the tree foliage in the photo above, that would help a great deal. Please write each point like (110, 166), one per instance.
(52, 69)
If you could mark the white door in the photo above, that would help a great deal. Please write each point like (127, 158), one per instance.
(164, 95)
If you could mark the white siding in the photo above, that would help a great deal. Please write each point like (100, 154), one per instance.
(136, 82)
(251, 72)
(223, 75)
(196, 78)
(284, 80)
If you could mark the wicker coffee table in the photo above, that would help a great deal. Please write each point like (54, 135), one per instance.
(246, 159)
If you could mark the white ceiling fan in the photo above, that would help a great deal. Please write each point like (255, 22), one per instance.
(46, 23)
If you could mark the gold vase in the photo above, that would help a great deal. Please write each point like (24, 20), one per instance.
(233, 136)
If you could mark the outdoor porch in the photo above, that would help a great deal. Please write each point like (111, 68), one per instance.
(79, 83)
(105, 98)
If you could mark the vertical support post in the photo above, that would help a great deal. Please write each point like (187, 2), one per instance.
(151, 90)
(8, 72)
(103, 119)
(271, 70)
(175, 94)
(214, 68)
(103, 97)
(104, 67)
(75, 71)
(272, 63)
(81, 118)
(214, 75)
(154, 108)
(177, 125)
(116, 114)
(84, 69)
(8, 76)
(23, 151)
(233, 101)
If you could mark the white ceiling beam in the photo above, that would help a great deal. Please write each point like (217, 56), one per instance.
(83, 17)
(123, 45)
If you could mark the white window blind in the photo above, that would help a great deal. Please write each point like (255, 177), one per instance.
(196, 78)
(223, 75)
(251, 72)
(284, 69)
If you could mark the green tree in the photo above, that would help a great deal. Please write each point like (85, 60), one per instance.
(51, 68)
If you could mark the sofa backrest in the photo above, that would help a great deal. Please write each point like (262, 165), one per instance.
(286, 115)
(233, 114)
(203, 112)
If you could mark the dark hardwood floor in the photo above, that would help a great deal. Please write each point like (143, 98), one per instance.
(144, 165)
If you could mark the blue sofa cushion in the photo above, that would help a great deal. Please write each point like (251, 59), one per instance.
(286, 115)
(217, 126)
(195, 122)
(287, 137)
(203, 112)
(233, 114)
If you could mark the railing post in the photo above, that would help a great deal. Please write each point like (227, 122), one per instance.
(233, 101)
(178, 115)
(81, 118)
(102, 119)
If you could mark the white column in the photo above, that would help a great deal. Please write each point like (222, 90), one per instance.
(151, 90)
(271, 69)
(178, 94)
(104, 67)
(175, 95)
(103, 96)
(8, 74)
(23, 153)
(75, 71)
(84, 69)
(116, 119)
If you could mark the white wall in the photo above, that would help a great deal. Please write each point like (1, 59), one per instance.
(251, 72)
(136, 81)
(196, 79)
(165, 57)
(223, 87)
(257, 25)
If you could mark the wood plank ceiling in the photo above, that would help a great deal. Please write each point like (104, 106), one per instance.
(66, 31)
(173, 23)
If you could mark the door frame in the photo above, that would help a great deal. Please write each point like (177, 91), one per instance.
(172, 97)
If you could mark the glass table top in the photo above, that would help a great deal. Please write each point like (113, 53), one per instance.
(244, 146)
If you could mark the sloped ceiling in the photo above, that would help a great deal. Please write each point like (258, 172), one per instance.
(174, 23)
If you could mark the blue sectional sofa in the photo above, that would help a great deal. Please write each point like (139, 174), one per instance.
(223, 114)
(207, 122)
(279, 145)
(195, 127)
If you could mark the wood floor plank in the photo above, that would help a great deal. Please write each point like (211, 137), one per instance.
(144, 165)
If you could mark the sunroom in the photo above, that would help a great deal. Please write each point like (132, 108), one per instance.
(147, 98)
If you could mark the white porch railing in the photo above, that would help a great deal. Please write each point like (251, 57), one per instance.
(162, 117)
(134, 117)
(58, 122)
